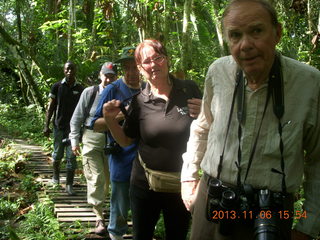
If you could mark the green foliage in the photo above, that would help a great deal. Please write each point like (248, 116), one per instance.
(23, 121)
(8, 209)
(60, 24)
(18, 195)
(98, 35)
(40, 223)
(159, 231)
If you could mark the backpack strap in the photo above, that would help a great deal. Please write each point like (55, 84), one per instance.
(93, 94)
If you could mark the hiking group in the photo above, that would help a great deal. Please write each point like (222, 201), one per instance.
(228, 162)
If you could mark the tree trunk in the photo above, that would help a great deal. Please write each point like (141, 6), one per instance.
(218, 25)
(31, 84)
(18, 13)
(88, 9)
(186, 49)
(72, 21)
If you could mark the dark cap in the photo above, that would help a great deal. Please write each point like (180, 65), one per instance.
(109, 67)
(127, 54)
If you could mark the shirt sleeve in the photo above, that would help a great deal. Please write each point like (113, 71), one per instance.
(311, 223)
(197, 144)
(107, 95)
(78, 118)
(54, 90)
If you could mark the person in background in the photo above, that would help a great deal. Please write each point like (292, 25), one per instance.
(120, 159)
(94, 159)
(158, 121)
(64, 96)
(257, 135)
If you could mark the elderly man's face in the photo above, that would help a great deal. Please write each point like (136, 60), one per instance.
(251, 37)
(131, 73)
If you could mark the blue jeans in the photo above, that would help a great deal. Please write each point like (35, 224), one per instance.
(59, 147)
(119, 207)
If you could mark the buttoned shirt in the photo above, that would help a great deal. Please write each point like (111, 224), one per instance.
(300, 134)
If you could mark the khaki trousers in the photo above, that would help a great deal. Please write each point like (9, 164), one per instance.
(96, 170)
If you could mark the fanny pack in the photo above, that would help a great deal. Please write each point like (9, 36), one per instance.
(160, 181)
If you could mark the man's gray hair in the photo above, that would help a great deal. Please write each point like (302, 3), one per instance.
(264, 3)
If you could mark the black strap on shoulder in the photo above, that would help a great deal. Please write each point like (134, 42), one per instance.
(240, 116)
(238, 80)
(93, 94)
(275, 89)
(278, 109)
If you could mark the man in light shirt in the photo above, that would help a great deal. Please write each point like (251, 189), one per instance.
(95, 161)
(258, 133)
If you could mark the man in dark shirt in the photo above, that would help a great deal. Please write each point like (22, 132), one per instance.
(64, 96)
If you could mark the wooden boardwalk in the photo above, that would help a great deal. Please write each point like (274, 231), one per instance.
(73, 212)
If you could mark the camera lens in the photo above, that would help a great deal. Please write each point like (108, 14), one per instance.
(266, 229)
(228, 199)
(215, 188)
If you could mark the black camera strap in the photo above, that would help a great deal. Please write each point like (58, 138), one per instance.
(275, 89)
(239, 78)
(125, 99)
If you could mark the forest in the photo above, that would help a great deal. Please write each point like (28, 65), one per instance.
(38, 36)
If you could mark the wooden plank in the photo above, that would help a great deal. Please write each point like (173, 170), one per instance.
(71, 205)
(74, 209)
(80, 219)
(76, 214)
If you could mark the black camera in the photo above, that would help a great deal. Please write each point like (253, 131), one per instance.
(112, 148)
(66, 141)
(267, 219)
(221, 202)
(228, 206)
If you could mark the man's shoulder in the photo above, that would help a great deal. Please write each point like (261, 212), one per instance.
(88, 90)
(226, 60)
(55, 87)
(79, 86)
(299, 72)
(116, 84)
(294, 64)
(111, 89)
(223, 66)
(57, 84)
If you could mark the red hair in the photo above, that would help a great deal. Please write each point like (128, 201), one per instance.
(155, 44)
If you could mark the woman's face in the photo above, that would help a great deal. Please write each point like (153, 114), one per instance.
(154, 66)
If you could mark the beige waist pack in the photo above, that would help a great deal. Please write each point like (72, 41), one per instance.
(160, 181)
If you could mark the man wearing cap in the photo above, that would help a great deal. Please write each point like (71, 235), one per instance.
(95, 162)
(64, 96)
(120, 159)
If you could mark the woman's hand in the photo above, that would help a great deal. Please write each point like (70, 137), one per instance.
(194, 105)
(110, 110)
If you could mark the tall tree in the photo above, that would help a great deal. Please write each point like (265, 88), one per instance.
(186, 49)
